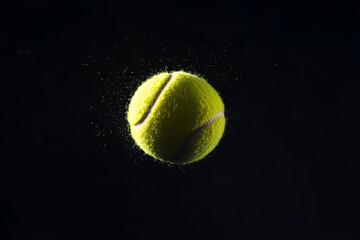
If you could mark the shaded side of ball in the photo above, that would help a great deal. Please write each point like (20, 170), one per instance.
(176, 117)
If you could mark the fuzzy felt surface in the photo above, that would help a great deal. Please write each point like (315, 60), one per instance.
(185, 103)
(144, 96)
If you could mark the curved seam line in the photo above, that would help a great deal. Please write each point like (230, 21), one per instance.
(196, 131)
(148, 111)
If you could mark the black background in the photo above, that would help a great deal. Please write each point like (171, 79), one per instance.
(286, 167)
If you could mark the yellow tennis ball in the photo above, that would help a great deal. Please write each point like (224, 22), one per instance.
(176, 117)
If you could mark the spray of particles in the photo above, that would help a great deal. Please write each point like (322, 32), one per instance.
(115, 74)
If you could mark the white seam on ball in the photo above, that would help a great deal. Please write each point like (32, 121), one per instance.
(148, 111)
(194, 132)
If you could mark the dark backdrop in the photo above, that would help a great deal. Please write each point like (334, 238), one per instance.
(286, 167)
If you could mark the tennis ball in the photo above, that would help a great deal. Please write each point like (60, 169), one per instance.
(176, 117)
